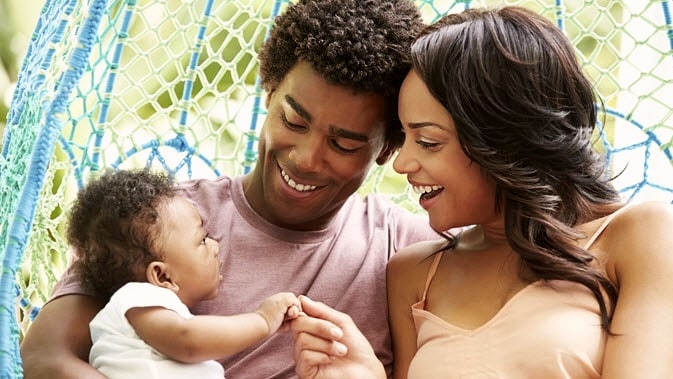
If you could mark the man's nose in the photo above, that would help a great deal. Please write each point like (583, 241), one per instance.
(308, 154)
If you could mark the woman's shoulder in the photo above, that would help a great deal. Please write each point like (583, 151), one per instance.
(417, 254)
(631, 222)
(408, 269)
(640, 235)
(642, 220)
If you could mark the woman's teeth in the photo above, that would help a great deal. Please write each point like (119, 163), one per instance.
(422, 190)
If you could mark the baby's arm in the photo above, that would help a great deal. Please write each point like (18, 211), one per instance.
(205, 337)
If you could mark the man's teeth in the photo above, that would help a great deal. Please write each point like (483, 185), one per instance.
(420, 190)
(297, 186)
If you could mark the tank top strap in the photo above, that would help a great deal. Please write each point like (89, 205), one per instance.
(602, 227)
(431, 272)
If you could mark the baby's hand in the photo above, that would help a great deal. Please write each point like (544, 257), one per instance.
(278, 308)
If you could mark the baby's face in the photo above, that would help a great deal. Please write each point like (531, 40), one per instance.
(191, 256)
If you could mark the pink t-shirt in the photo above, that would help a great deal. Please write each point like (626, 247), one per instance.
(342, 265)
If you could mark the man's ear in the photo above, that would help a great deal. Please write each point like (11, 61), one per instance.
(158, 274)
(385, 154)
(269, 93)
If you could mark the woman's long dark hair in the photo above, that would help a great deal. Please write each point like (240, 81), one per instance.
(524, 111)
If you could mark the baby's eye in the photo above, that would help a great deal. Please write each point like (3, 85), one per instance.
(203, 241)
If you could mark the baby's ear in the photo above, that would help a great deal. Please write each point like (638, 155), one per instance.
(158, 274)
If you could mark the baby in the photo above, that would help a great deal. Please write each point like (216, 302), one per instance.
(142, 249)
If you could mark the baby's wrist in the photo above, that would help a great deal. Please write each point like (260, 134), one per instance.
(266, 322)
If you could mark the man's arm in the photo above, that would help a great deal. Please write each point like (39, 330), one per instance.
(58, 341)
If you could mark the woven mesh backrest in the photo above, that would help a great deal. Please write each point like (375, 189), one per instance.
(173, 84)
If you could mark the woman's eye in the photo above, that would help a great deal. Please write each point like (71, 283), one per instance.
(427, 145)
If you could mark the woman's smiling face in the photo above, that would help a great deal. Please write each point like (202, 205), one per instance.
(453, 190)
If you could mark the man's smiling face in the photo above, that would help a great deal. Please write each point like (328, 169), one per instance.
(316, 147)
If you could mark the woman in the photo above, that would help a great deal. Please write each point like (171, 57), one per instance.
(553, 275)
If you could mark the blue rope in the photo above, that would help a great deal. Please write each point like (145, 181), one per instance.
(193, 62)
(49, 32)
(10, 359)
(122, 37)
(669, 22)
(42, 152)
(45, 34)
(560, 15)
(179, 144)
(250, 155)
(651, 137)
(651, 140)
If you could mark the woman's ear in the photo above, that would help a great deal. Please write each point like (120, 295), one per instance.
(158, 274)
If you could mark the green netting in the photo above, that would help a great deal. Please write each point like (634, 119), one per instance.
(173, 84)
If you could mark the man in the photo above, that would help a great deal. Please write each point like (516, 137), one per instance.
(331, 69)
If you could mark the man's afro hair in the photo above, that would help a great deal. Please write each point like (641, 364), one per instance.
(362, 44)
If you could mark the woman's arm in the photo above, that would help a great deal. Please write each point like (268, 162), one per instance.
(406, 274)
(639, 247)
(58, 341)
(202, 338)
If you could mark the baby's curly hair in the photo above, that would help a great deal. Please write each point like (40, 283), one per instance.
(113, 226)
(360, 44)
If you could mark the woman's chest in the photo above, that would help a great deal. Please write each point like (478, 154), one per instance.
(550, 331)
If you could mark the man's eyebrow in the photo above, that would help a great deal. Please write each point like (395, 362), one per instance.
(334, 130)
(301, 111)
(343, 133)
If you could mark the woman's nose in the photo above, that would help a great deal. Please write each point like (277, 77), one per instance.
(404, 162)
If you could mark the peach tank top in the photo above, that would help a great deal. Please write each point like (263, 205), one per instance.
(549, 329)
